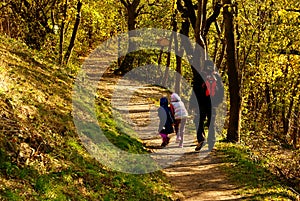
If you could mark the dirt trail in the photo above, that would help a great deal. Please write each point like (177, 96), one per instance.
(194, 175)
(201, 179)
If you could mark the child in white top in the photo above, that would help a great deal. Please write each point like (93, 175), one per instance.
(180, 115)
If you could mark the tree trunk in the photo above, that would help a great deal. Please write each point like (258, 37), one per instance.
(132, 13)
(73, 37)
(269, 115)
(198, 36)
(179, 53)
(61, 35)
(131, 23)
(233, 132)
(291, 106)
(166, 75)
(296, 132)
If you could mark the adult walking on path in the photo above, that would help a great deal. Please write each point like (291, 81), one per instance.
(209, 91)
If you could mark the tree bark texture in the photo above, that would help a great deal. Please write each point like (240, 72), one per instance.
(233, 132)
(132, 9)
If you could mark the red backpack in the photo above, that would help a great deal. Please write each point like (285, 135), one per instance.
(211, 85)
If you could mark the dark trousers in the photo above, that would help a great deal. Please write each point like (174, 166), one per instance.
(206, 117)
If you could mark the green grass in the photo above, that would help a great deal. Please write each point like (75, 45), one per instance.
(41, 155)
(254, 180)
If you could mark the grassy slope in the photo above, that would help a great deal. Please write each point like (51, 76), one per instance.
(252, 176)
(40, 154)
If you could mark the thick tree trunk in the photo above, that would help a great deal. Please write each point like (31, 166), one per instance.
(132, 13)
(233, 132)
(131, 23)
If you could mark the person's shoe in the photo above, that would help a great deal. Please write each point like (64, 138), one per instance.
(210, 148)
(199, 146)
(168, 140)
(164, 144)
(178, 139)
(180, 145)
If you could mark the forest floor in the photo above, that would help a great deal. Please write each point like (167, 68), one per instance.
(193, 175)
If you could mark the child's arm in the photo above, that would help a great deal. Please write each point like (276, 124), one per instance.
(161, 119)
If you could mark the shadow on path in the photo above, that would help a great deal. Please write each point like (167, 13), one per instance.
(195, 175)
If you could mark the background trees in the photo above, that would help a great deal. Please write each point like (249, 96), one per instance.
(270, 67)
(264, 34)
(255, 44)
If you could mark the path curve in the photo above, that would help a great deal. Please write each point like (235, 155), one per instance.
(195, 176)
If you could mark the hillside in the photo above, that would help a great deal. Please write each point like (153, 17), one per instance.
(41, 157)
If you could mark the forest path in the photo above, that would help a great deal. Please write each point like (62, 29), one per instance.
(194, 175)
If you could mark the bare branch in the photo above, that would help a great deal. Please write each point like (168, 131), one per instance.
(179, 6)
(212, 18)
(294, 52)
(52, 5)
(218, 28)
(136, 3)
(124, 3)
(293, 10)
(5, 5)
(191, 12)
